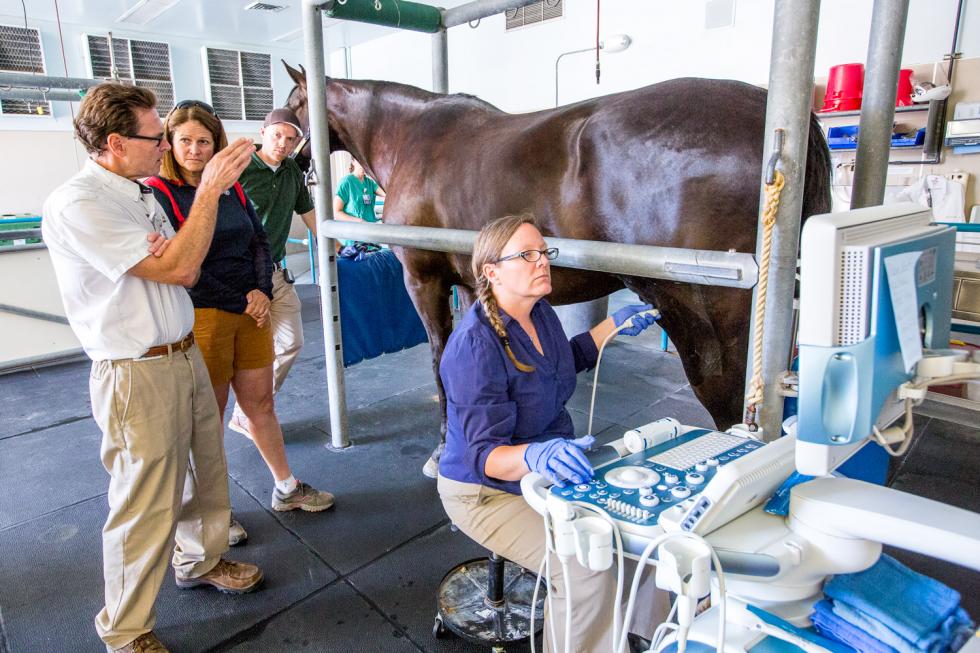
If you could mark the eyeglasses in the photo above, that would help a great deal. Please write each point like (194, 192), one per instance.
(156, 139)
(190, 104)
(532, 255)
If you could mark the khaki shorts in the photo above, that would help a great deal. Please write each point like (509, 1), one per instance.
(231, 342)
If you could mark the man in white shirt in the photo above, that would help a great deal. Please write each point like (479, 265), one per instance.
(151, 395)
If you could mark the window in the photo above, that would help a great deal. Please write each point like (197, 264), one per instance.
(143, 63)
(20, 52)
(533, 13)
(240, 83)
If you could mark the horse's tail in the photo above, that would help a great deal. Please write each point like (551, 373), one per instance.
(816, 190)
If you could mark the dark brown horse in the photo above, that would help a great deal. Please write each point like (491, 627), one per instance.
(674, 164)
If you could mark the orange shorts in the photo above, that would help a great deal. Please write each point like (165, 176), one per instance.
(231, 342)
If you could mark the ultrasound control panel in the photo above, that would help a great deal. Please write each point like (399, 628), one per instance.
(637, 488)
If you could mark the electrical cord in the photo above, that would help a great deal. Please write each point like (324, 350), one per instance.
(641, 564)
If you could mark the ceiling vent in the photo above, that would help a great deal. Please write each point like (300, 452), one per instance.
(145, 11)
(264, 6)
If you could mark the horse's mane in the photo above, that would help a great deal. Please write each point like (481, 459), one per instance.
(412, 92)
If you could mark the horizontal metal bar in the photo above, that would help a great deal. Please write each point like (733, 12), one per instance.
(20, 234)
(7, 249)
(733, 269)
(46, 81)
(42, 360)
(37, 315)
(33, 95)
(480, 9)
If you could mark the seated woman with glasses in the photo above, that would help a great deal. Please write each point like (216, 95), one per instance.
(232, 296)
(508, 369)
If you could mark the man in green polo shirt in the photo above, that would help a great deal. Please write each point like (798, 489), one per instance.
(274, 184)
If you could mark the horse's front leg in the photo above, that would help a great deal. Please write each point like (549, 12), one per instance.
(430, 294)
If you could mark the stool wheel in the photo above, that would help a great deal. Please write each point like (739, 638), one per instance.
(439, 628)
(466, 605)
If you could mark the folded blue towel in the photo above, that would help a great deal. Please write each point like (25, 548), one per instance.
(832, 626)
(951, 635)
(910, 604)
(872, 627)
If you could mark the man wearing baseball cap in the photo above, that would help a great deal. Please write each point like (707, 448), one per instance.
(274, 184)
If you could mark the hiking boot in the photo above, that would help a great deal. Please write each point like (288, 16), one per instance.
(305, 497)
(236, 533)
(240, 425)
(145, 643)
(228, 576)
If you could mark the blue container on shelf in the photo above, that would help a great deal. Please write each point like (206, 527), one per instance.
(846, 137)
(842, 138)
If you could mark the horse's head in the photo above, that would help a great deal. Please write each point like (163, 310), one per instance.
(298, 102)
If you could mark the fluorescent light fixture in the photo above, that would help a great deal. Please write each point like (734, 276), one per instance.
(145, 11)
(615, 43)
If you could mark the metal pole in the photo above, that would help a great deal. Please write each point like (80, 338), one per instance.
(480, 9)
(33, 95)
(440, 62)
(43, 81)
(878, 101)
(316, 88)
(794, 40)
(733, 269)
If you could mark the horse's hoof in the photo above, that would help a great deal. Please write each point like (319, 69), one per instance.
(431, 467)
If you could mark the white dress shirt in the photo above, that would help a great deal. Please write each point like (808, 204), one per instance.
(95, 226)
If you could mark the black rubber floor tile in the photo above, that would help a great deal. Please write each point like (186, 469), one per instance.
(404, 585)
(382, 497)
(50, 469)
(52, 582)
(681, 405)
(950, 450)
(630, 378)
(34, 399)
(335, 619)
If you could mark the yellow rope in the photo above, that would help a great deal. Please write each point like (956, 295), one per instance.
(754, 395)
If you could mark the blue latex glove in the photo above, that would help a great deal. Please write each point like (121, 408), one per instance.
(560, 459)
(640, 323)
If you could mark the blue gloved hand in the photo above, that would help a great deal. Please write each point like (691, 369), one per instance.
(560, 459)
(640, 322)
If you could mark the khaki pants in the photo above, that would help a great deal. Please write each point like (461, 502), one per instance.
(506, 525)
(162, 444)
(287, 327)
(287, 331)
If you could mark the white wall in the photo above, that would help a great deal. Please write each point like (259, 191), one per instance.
(516, 70)
(39, 153)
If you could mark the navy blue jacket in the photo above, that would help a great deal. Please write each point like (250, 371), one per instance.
(491, 403)
(238, 260)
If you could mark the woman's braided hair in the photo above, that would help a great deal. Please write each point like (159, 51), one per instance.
(487, 249)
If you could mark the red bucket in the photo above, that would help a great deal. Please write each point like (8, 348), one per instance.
(903, 97)
(844, 86)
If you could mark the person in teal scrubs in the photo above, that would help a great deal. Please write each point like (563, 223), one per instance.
(354, 201)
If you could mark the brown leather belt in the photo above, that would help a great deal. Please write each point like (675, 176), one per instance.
(163, 350)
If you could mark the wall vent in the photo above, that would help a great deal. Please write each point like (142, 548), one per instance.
(142, 63)
(240, 83)
(20, 52)
(533, 13)
(264, 6)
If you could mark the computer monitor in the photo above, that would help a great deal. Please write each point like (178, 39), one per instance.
(875, 289)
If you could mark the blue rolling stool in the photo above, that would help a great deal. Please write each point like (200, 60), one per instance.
(488, 601)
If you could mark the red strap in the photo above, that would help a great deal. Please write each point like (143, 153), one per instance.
(162, 186)
(241, 195)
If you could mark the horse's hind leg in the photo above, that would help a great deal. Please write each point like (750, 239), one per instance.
(430, 294)
(709, 327)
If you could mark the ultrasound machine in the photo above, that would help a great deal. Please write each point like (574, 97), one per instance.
(875, 304)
